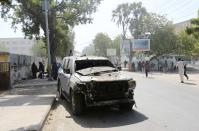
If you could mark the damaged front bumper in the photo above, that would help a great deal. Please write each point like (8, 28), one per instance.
(111, 102)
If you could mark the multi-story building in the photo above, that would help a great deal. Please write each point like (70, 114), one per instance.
(17, 45)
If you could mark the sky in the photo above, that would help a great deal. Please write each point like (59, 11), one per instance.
(175, 10)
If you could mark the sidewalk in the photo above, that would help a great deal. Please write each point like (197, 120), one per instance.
(26, 108)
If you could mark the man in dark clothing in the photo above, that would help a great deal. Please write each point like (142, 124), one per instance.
(133, 66)
(146, 68)
(41, 70)
(34, 70)
(185, 71)
(125, 62)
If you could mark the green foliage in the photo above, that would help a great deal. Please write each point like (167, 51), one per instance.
(39, 49)
(187, 44)
(137, 20)
(163, 41)
(121, 15)
(101, 43)
(62, 17)
(194, 29)
(116, 44)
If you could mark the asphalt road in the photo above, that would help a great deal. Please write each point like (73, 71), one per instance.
(162, 105)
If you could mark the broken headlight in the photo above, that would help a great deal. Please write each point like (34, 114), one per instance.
(81, 86)
(132, 84)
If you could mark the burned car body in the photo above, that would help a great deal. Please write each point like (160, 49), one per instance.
(94, 81)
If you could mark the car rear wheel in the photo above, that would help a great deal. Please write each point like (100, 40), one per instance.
(77, 102)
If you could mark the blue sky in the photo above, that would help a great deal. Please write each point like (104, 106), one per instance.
(175, 10)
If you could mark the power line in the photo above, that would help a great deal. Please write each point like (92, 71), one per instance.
(188, 7)
(178, 7)
(166, 4)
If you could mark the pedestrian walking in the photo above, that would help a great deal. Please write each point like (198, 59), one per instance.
(133, 66)
(34, 70)
(125, 63)
(180, 66)
(41, 70)
(139, 66)
(185, 71)
(146, 68)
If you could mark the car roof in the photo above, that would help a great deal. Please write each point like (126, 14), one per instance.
(86, 58)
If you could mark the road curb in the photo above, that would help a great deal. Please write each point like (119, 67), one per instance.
(46, 115)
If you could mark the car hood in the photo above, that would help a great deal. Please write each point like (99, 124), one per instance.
(111, 76)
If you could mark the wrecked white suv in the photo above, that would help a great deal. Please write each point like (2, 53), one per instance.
(94, 81)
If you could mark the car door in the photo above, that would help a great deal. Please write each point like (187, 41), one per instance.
(61, 73)
(67, 75)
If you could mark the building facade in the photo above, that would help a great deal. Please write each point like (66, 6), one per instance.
(17, 45)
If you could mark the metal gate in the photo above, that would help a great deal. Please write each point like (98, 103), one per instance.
(4, 75)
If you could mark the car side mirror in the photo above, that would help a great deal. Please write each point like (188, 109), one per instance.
(67, 71)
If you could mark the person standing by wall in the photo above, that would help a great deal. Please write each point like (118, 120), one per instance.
(34, 70)
(180, 66)
(41, 70)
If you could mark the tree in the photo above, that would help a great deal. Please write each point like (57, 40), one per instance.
(39, 49)
(187, 44)
(62, 16)
(194, 29)
(152, 22)
(89, 50)
(101, 43)
(116, 45)
(136, 23)
(121, 15)
(163, 41)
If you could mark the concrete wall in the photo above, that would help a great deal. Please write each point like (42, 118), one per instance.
(20, 67)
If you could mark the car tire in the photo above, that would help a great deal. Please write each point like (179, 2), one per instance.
(126, 106)
(77, 103)
(60, 91)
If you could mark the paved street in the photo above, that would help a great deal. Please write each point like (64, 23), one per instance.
(163, 104)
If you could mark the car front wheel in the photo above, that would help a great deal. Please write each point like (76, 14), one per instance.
(77, 103)
(60, 91)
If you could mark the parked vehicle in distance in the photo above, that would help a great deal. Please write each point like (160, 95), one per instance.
(93, 81)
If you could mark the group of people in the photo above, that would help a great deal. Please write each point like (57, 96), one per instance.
(182, 70)
(35, 70)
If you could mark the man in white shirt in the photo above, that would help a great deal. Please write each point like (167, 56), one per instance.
(180, 66)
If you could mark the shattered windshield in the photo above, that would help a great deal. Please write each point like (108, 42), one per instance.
(83, 64)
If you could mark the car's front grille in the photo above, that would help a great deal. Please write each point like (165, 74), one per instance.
(110, 90)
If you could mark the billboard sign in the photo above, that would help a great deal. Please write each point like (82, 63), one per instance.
(141, 45)
(111, 52)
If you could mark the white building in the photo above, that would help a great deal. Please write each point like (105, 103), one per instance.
(17, 45)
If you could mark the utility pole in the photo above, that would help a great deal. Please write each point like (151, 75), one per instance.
(130, 55)
(48, 41)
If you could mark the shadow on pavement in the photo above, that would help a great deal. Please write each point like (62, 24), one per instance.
(189, 83)
(104, 117)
